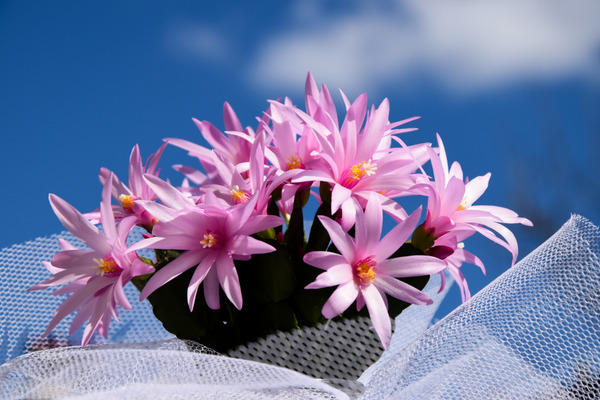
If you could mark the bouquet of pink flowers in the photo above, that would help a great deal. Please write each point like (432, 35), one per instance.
(237, 228)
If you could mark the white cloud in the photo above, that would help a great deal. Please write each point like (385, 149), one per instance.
(463, 44)
(197, 42)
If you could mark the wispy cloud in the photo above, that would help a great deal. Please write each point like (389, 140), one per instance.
(197, 42)
(463, 45)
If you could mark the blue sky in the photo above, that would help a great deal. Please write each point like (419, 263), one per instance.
(513, 88)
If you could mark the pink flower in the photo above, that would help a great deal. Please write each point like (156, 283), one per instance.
(96, 277)
(128, 197)
(450, 209)
(365, 273)
(235, 144)
(453, 253)
(358, 160)
(211, 236)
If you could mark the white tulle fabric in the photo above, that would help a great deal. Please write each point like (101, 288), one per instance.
(533, 333)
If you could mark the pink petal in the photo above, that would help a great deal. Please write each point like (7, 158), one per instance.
(476, 187)
(199, 274)
(211, 290)
(69, 259)
(349, 210)
(313, 176)
(260, 223)
(324, 259)
(78, 225)
(232, 123)
(84, 313)
(108, 218)
(158, 211)
(136, 171)
(456, 171)
(138, 267)
(311, 90)
(373, 219)
(342, 241)
(154, 159)
(470, 258)
(374, 132)
(194, 149)
(247, 245)
(229, 280)
(214, 137)
(379, 314)
(452, 196)
(397, 236)
(503, 214)
(118, 187)
(334, 276)
(125, 227)
(168, 195)
(511, 242)
(64, 276)
(402, 267)
(192, 174)
(172, 270)
(340, 300)
(74, 302)
(119, 294)
(443, 162)
(339, 195)
(401, 290)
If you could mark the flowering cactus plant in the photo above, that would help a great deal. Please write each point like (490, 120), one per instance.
(236, 228)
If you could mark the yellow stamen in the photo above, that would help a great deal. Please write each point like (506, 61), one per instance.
(238, 195)
(106, 265)
(294, 162)
(359, 171)
(209, 240)
(127, 201)
(365, 270)
(463, 205)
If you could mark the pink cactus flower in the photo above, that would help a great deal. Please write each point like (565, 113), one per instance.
(358, 160)
(128, 197)
(211, 235)
(96, 277)
(450, 208)
(365, 273)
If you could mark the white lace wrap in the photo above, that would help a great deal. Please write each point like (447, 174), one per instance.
(533, 333)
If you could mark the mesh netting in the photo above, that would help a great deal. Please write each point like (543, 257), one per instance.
(533, 333)
(24, 315)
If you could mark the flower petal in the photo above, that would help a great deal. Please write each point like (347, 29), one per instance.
(340, 300)
(342, 241)
(199, 274)
(334, 276)
(229, 280)
(402, 267)
(324, 259)
(172, 270)
(379, 314)
(397, 236)
(401, 290)
(78, 225)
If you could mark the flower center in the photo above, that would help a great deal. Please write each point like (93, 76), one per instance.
(238, 195)
(294, 162)
(353, 175)
(463, 205)
(364, 271)
(127, 201)
(107, 266)
(210, 239)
